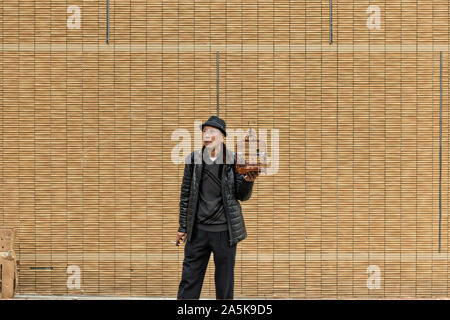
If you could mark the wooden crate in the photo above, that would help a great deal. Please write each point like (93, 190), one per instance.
(8, 263)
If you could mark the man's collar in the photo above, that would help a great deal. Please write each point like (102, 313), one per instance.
(229, 158)
(210, 160)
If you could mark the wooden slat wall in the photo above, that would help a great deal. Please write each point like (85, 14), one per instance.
(86, 144)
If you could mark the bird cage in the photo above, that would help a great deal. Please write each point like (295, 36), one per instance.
(251, 154)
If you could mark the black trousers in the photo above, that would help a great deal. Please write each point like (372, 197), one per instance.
(196, 257)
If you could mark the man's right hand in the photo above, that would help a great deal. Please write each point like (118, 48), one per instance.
(181, 236)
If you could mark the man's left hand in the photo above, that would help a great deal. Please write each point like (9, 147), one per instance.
(251, 176)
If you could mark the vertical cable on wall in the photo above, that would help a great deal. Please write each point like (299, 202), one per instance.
(217, 81)
(331, 21)
(440, 147)
(107, 21)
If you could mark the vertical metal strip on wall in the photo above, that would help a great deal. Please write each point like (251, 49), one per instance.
(217, 81)
(331, 21)
(440, 147)
(107, 21)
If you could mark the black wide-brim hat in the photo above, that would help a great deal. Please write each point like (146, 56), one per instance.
(215, 122)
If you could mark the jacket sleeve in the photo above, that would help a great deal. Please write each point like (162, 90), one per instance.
(184, 194)
(243, 187)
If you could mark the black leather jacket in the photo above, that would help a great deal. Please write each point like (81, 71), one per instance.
(234, 188)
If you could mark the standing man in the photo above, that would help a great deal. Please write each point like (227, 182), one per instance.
(210, 214)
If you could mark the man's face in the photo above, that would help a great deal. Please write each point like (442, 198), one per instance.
(212, 137)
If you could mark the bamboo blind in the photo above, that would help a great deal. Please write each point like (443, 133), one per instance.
(86, 128)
